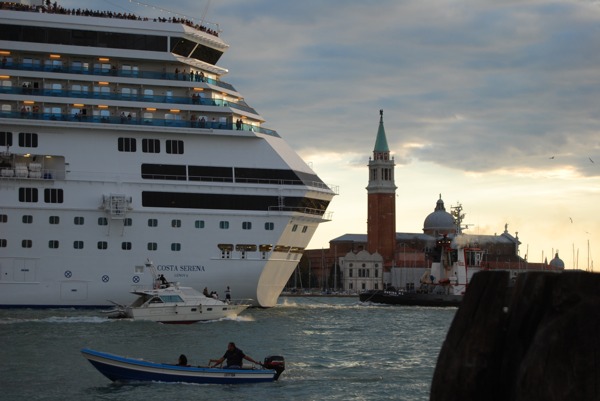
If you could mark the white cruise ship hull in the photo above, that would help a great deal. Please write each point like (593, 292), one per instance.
(95, 181)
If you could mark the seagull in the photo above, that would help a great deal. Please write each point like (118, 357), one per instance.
(590, 159)
(571, 219)
(551, 157)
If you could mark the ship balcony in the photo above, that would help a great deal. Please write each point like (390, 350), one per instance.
(105, 70)
(175, 120)
(128, 97)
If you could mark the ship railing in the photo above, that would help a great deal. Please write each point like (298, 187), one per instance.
(113, 72)
(240, 301)
(78, 94)
(299, 209)
(159, 122)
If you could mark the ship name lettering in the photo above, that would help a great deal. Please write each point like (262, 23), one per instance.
(182, 268)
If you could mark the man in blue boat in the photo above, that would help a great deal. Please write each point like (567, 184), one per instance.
(234, 356)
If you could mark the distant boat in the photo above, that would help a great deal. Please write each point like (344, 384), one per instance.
(168, 302)
(124, 369)
(447, 280)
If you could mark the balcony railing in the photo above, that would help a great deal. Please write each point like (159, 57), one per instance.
(142, 121)
(126, 97)
(115, 72)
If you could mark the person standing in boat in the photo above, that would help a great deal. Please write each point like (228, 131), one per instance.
(234, 356)
(228, 294)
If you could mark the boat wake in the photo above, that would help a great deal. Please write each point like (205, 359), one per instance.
(56, 320)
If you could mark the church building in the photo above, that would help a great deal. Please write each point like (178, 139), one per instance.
(384, 258)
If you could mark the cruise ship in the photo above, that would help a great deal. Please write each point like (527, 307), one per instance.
(122, 143)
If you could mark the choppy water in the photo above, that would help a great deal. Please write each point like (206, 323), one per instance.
(335, 349)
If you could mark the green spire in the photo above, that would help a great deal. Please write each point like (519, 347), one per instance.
(381, 144)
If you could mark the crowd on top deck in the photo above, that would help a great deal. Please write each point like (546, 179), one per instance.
(54, 8)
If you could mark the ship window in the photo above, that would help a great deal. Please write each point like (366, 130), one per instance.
(53, 244)
(28, 140)
(53, 195)
(148, 94)
(295, 227)
(304, 229)
(269, 226)
(78, 244)
(207, 173)
(126, 246)
(150, 145)
(174, 147)
(28, 195)
(26, 243)
(199, 223)
(152, 246)
(265, 247)
(126, 92)
(175, 223)
(246, 225)
(78, 220)
(164, 172)
(102, 245)
(176, 247)
(224, 225)
(27, 219)
(281, 248)
(245, 248)
(5, 138)
(128, 222)
(127, 145)
(148, 118)
(6, 108)
(3, 243)
(80, 89)
(102, 221)
(3, 218)
(152, 223)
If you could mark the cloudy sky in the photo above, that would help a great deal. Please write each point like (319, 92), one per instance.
(493, 105)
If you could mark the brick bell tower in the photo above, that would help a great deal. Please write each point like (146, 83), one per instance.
(381, 223)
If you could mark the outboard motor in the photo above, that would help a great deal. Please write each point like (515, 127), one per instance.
(276, 363)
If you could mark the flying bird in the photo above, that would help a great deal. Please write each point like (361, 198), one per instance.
(551, 157)
(571, 219)
(590, 159)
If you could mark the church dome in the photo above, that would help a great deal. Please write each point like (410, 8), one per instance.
(440, 221)
(557, 262)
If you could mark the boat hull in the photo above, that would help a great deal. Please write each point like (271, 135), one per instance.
(410, 299)
(122, 369)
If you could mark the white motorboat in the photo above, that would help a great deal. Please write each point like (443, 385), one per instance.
(169, 302)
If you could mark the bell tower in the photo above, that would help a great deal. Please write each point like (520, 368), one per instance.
(381, 216)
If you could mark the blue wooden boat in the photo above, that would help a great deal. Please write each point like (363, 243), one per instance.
(124, 369)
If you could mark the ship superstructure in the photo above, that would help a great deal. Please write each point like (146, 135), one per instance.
(121, 142)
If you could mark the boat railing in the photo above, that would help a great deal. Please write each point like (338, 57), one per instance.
(240, 301)
(140, 120)
(141, 97)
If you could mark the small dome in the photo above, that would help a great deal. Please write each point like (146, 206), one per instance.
(557, 262)
(440, 221)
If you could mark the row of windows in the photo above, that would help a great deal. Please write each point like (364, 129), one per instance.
(26, 139)
(226, 249)
(51, 195)
(363, 272)
(115, 40)
(172, 146)
(175, 223)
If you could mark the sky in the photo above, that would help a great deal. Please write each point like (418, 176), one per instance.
(494, 105)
